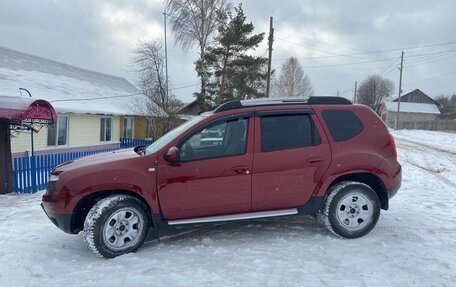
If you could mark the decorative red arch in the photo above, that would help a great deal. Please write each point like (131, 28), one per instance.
(18, 110)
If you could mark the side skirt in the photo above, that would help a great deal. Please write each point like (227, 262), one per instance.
(231, 217)
(310, 208)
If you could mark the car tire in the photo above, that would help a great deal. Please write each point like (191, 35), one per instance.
(116, 225)
(350, 209)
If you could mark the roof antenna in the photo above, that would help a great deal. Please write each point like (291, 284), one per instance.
(22, 89)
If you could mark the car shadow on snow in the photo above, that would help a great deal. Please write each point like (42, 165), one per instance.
(245, 230)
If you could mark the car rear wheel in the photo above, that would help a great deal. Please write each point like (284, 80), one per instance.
(351, 209)
(116, 225)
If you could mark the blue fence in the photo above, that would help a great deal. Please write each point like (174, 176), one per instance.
(24, 172)
(126, 143)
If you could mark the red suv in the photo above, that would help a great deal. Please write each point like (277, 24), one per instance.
(282, 156)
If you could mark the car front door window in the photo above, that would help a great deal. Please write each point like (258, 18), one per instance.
(229, 140)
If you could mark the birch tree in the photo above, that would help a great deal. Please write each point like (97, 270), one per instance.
(194, 22)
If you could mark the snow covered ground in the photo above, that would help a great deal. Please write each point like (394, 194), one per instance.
(413, 244)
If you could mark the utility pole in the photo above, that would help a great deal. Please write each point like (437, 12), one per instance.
(400, 90)
(338, 93)
(270, 39)
(166, 60)
(354, 96)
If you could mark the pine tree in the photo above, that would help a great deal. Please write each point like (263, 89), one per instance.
(234, 73)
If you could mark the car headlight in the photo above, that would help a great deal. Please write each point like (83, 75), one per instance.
(53, 177)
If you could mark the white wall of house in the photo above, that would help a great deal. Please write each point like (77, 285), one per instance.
(83, 130)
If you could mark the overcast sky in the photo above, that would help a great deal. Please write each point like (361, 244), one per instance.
(343, 39)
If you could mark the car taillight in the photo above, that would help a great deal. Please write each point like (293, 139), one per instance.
(393, 146)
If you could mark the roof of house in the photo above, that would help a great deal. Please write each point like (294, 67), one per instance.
(417, 96)
(68, 88)
(193, 108)
(407, 107)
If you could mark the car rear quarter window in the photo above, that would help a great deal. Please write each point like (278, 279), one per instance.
(281, 132)
(343, 125)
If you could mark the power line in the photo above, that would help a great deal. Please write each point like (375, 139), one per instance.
(183, 87)
(318, 41)
(314, 49)
(430, 59)
(117, 96)
(344, 92)
(453, 41)
(433, 78)
(333, 55)
(97, 98)
(389, 67)
(352, 63)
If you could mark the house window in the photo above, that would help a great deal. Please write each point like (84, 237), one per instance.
(128, 128)
(58, 132)
(105, 129)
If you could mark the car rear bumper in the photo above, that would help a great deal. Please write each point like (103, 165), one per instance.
(396, 181)
(62, 221)
(392, 192)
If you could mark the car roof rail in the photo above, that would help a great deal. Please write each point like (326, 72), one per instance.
(238, 104)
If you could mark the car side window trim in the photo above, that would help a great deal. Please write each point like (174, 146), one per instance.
(283, 112)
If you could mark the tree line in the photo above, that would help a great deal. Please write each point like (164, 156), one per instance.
(227, 63)
(448, 108)
(227, 66)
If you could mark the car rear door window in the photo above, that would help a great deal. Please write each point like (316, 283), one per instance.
(280, 132)
(343, 125)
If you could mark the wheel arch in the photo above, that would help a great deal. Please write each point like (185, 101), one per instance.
(83, 206)
(371, 180)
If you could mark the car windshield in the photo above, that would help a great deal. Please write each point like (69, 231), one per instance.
(171, 135)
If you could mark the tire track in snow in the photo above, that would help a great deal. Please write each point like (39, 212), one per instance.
(420, 144)
(432, 171)
(413, 146)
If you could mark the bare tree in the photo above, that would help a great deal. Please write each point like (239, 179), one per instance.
(448, 106)
(292, 81)
(374, 90)
(193, 22)
(161, 109)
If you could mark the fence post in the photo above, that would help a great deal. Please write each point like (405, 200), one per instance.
(15, 176)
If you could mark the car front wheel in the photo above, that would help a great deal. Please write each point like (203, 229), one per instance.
(116, 225)
(351, 209)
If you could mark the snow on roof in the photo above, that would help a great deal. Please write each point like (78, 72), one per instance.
(69, 89)
(407, 107)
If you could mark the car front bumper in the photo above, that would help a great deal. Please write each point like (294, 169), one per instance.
(62, 221)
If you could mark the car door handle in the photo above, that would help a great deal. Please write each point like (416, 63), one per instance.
(314, 160)
(241, 169)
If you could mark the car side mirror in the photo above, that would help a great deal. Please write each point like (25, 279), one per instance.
(172, 156)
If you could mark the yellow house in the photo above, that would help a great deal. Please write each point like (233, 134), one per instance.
(95, 110)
